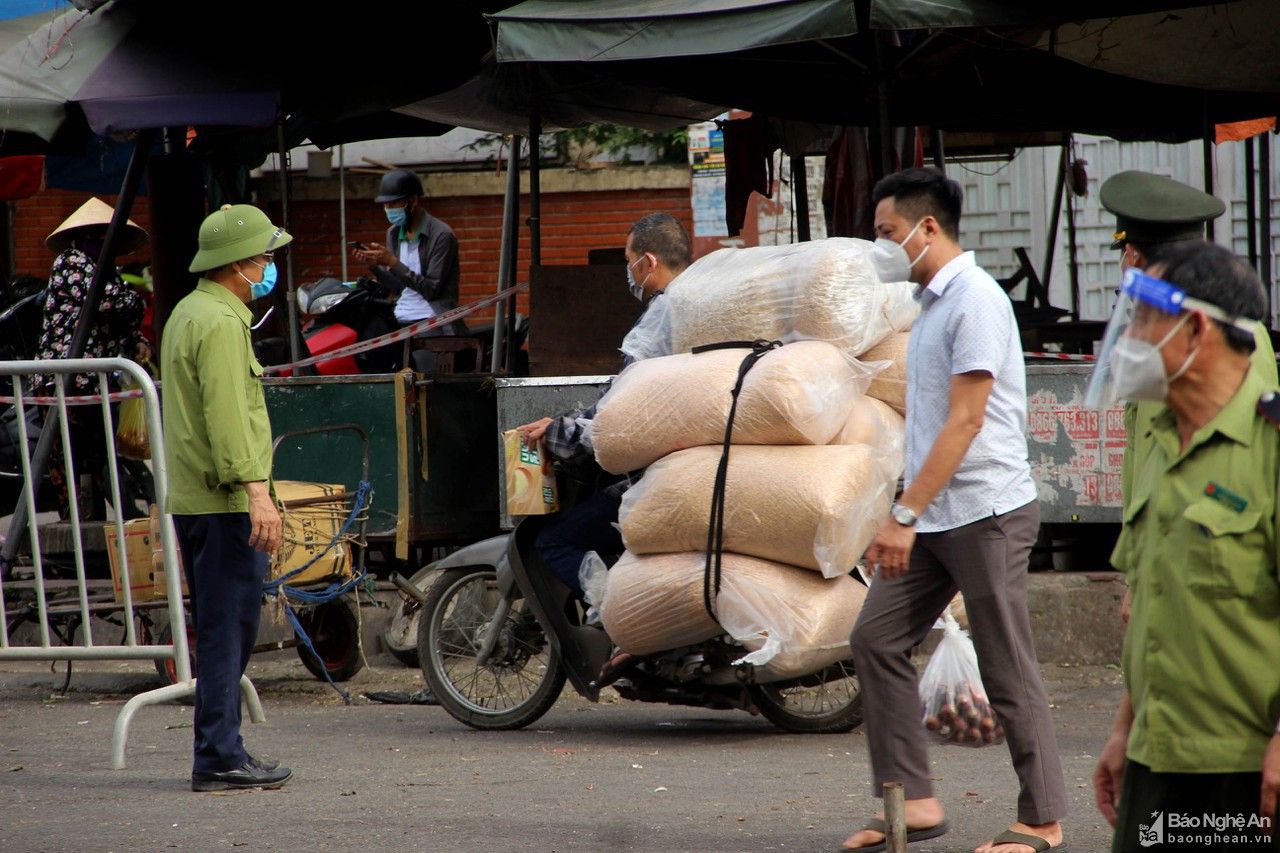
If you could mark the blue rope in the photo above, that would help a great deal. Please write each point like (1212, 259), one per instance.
(279, 586)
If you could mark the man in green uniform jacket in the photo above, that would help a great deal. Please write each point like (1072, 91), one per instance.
(1155, 214)
(218, 453)
(1195, 733)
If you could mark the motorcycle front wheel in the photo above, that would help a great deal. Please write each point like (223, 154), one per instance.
(521, 678)
(827, 702)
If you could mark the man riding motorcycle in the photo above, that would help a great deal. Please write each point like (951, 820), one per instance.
(658, 249)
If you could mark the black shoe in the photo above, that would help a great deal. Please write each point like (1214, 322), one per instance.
(263, 764)
(248, 776)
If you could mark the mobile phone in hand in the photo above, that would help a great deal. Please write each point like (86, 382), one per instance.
(356, 244)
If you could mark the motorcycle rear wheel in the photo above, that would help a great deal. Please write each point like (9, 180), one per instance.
(522, 678)
(829, 702)
(401, 634)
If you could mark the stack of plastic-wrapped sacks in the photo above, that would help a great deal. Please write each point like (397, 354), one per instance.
(813, 464)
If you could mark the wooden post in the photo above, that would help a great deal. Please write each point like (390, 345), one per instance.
(895, 818)
(800, 197)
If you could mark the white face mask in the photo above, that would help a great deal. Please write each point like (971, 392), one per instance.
(891, 260)
(1139, 370)
(636, 287)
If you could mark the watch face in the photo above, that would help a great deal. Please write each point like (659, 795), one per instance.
(903, 515)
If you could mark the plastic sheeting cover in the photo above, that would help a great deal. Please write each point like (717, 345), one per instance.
(797, 621)
(802, 393)
(890, 384)
(824, 290)
(813, 507)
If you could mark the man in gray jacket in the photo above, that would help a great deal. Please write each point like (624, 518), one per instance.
(420, 259)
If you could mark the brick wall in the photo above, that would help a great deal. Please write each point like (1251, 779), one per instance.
(572, 224)
(34, 218)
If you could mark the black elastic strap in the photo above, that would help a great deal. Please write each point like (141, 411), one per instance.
(715, 529)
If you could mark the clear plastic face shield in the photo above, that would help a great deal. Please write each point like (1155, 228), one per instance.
(1148, 312)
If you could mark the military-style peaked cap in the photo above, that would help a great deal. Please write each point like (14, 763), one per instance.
(1155, 209)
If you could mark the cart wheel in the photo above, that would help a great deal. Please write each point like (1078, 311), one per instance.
(335, 632)
(167, 669)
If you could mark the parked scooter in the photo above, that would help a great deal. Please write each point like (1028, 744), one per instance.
(499, 635)
(343, 314)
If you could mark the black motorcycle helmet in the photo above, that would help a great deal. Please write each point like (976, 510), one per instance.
(398, 184)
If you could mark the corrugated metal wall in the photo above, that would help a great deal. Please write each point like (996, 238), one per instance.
(1007, 205)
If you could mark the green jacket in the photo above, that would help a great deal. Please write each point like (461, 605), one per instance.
(1199, 550)
(215, 418)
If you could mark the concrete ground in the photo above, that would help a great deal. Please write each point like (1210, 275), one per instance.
(613, 776)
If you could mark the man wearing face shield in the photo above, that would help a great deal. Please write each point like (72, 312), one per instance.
(658, 249)
(420, 258)
(966, 520)
(1155, 214)
(218, 452)
(1197, 728)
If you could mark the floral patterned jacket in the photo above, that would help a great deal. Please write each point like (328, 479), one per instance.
(115, 333)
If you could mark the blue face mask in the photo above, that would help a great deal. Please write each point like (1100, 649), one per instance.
(396, 215)
(259, 289)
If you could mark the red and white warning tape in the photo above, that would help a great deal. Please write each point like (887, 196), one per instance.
(1060, 356)
(359, 347)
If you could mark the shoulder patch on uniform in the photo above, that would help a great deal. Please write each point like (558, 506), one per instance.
(1269, 407)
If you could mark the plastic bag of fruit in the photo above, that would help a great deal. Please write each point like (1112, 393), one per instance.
(955, 705)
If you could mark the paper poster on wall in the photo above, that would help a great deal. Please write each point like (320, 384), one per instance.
(706, 161)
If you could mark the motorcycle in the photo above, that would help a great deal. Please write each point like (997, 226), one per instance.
(499, 636)
(343, 314)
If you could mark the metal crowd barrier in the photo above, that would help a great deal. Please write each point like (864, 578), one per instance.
(87, 649)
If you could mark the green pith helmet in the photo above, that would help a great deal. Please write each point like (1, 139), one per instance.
(233, 233)
(1155, 209)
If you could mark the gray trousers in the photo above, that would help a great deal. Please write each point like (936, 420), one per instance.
(987, 560)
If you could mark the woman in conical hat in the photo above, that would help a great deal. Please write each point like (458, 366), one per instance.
(77, 242)
(116, 331)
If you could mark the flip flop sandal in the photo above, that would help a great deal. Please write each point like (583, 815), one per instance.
(1035, 842)
(913, 835)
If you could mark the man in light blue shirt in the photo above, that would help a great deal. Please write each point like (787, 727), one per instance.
(966, 520)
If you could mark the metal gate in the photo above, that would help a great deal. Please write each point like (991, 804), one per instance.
(75, 602)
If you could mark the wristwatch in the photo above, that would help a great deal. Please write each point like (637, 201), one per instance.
(904, 515)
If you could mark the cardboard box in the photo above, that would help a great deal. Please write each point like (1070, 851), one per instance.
(137, 547)
(144, 555)
(313, 513)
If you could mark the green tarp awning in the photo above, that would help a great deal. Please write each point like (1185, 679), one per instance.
(611, 30)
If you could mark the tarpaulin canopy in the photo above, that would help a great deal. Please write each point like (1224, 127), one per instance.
(815, 60)
(610, 30)
(1224, 47)
(133, 64)
(501, 98)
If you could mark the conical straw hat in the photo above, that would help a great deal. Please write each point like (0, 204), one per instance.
(94, 212)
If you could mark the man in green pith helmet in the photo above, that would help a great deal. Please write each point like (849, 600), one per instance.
(218, 452)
